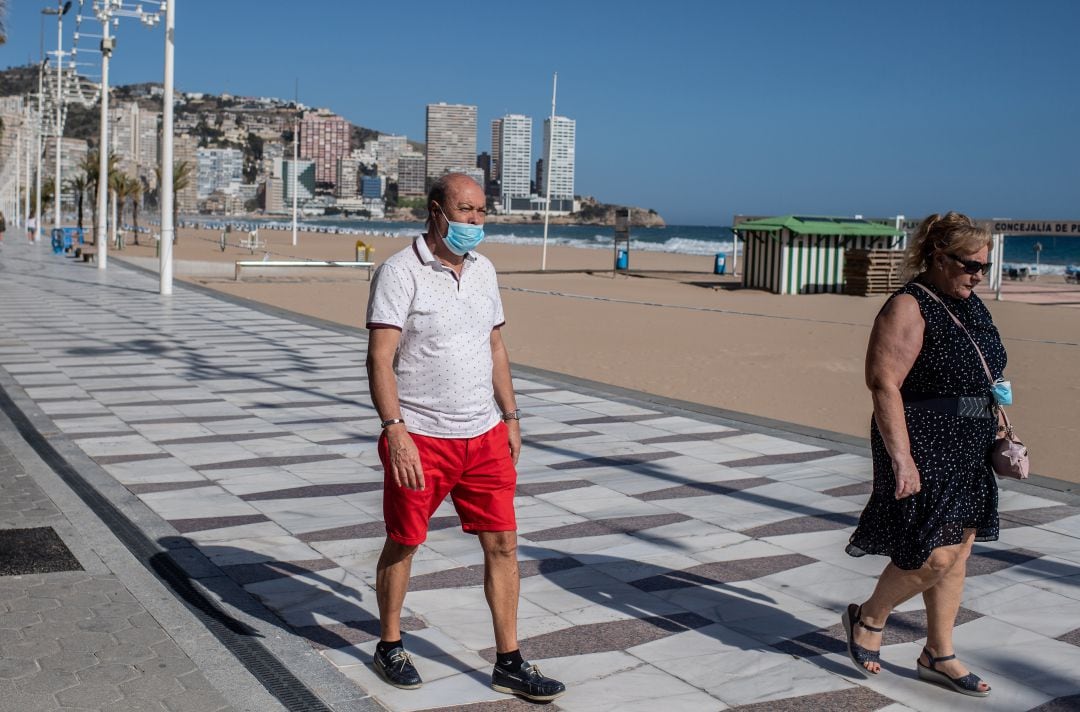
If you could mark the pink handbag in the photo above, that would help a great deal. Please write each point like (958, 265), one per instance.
(1008, 454)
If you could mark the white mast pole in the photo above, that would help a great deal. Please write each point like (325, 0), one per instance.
(57, 192)
(100, 240)
(547, 170)
(296, 156)
(165, 269)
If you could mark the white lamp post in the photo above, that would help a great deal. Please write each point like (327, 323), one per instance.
(59, 11)
(165, 270)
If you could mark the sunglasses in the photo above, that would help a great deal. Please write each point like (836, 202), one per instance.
(971, 266)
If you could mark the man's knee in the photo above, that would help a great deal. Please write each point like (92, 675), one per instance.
(395, 552)
(499, 544)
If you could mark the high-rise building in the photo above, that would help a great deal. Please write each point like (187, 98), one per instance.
(187, 198)
(483, 162)
(373, 186)
(515, 151)
(275, 188)
(135, 139)
(219, 170)
(451, 138)
(345, 181)
(324, 138)
(386, 149)
(496, 148)
(559, 152)
(410, 180)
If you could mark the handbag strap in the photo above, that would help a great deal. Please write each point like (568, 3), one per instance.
(948, 311)
(986, 368)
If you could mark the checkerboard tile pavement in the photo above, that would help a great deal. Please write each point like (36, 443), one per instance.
(668, 557)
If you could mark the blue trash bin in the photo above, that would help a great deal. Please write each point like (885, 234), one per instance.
(622, 260)
(721, 263)
(56, 238)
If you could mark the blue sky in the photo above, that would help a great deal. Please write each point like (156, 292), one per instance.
(698, 109)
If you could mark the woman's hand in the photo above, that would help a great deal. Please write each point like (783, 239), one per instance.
(908, 481)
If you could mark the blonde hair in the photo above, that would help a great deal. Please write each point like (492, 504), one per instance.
(951, 232)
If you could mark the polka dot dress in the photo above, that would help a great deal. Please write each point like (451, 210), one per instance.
(958, 487)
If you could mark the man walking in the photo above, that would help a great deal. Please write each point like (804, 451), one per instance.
(440, 380)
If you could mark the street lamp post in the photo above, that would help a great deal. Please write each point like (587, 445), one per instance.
(37, 173)
(109, 11)
(165, 270)
(60, 10)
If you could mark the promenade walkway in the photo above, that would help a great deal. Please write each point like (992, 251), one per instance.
(213, 463)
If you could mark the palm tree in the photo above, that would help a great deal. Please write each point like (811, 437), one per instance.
(181, 180)
(89, 166)
(78, 186)
(3, 23)
(134, 189)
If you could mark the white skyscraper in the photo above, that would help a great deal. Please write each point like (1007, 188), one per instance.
(451, 138)
(219, 169)
(514, 133)
(560, 149)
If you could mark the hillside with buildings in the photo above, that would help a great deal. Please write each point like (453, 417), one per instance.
(241, 155)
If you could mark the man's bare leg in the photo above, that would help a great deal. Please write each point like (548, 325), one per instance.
(502, 586)
(391, 583)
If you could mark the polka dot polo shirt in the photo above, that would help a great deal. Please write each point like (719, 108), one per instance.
(443, 363)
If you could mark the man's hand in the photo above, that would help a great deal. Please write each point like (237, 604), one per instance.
(908, 481)
(513, 431)
(404, 458)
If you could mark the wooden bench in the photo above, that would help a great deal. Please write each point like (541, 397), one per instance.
(299, 263)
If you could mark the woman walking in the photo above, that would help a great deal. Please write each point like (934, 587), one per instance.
(933, 426)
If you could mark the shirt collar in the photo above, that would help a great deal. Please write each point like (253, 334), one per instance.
(424, 254)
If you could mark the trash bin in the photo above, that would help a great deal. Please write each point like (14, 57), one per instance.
(622, 260)
(721, 263)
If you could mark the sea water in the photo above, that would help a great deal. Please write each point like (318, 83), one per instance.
(1056, 254)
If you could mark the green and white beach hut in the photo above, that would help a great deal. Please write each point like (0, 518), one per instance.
(805, 255)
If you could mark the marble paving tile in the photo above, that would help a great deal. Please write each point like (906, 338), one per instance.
(614, 525)
(721, 572)
(701, 489)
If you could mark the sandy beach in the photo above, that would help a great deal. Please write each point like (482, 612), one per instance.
(673, 329)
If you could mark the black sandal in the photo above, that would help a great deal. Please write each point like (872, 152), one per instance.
(965, 684)
(858, 654)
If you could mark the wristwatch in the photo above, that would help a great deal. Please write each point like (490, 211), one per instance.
(514, 414)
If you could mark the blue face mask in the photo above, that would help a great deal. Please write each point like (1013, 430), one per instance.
(462, 237)
(1002, 392)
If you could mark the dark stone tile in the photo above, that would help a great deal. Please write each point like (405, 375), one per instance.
(244, 574)
(991, 561)
(1060, 704)
(38, 550)
(787, 458)
(600, 527)
(613, 461)
(608, 419)
(722, 572)
(199, 524)
(1037, 516)
(804, 525)
(121, 389)
(510, 704)
(369, 530)
(353, 440)
(703, 489)
(691, 437)
(474, 575)
(151, 487)
(1072, 637)
(142, 457)
(534, 488)
(901, 628)
(314, 421)
(224, 438)
(79, 416)
(853, 699)
(332, 490)
(189, 419)
(186, 401)
(285, 406)
(555, 437)
(850, 490)
(342, 635)
(281, 461)
(606, 637)
(64, 399)
(100, 435)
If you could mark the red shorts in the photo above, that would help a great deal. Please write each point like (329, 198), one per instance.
(478, 474)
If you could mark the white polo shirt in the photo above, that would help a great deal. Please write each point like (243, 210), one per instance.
(443, 362)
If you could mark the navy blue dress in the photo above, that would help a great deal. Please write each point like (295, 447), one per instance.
(958, 486)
